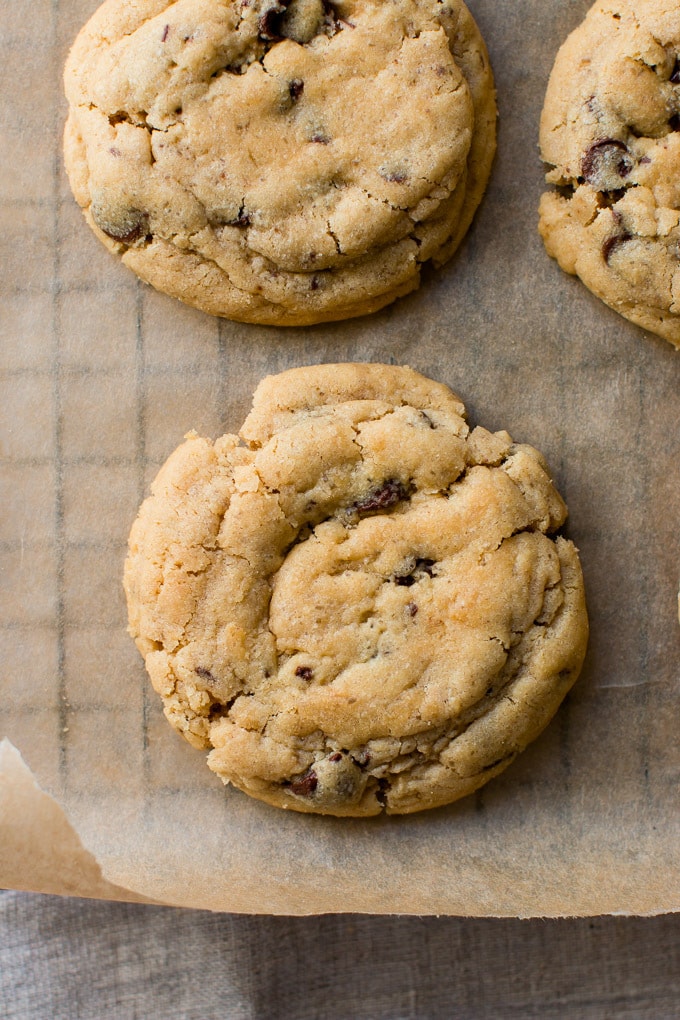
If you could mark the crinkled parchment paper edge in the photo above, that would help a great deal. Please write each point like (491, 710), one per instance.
(40, 851)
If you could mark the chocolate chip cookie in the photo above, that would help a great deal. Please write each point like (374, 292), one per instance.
(610, 133)
(280, 161)
(360, 604)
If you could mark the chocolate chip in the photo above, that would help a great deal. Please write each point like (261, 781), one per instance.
(296, 88)
(612, 243)
(675, 74)
(674, 122)
(320, 137)
(334, 22)
(411, 608)
(336, 756)
(205, 674)
(242, 220)
(305, 672)
(165, 33)
(269, 23)
(304, 785)
(314, 284)
(606, 164)
(381, 793)
(394, 176)
(386, 495)
(133, 226)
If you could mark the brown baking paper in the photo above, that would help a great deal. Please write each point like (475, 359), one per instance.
(101, 379)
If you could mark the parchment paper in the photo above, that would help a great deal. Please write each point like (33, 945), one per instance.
(101, 378)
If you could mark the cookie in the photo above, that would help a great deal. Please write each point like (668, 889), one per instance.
(610, 133)
(280, 161)
(360, 604)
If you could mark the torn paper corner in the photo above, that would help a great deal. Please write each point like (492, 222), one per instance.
(40, 851)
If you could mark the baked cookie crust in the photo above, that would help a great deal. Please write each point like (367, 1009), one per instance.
(280, 161)
(359, 604)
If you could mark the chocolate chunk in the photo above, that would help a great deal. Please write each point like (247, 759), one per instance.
(388, 494)
(612, 243)
(674, 122)
(305, 672)
(304, 785)
(295, 88)
(606, 164)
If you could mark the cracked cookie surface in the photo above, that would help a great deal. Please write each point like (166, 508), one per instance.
(360, 604)
(280, 161)
(610, 132)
